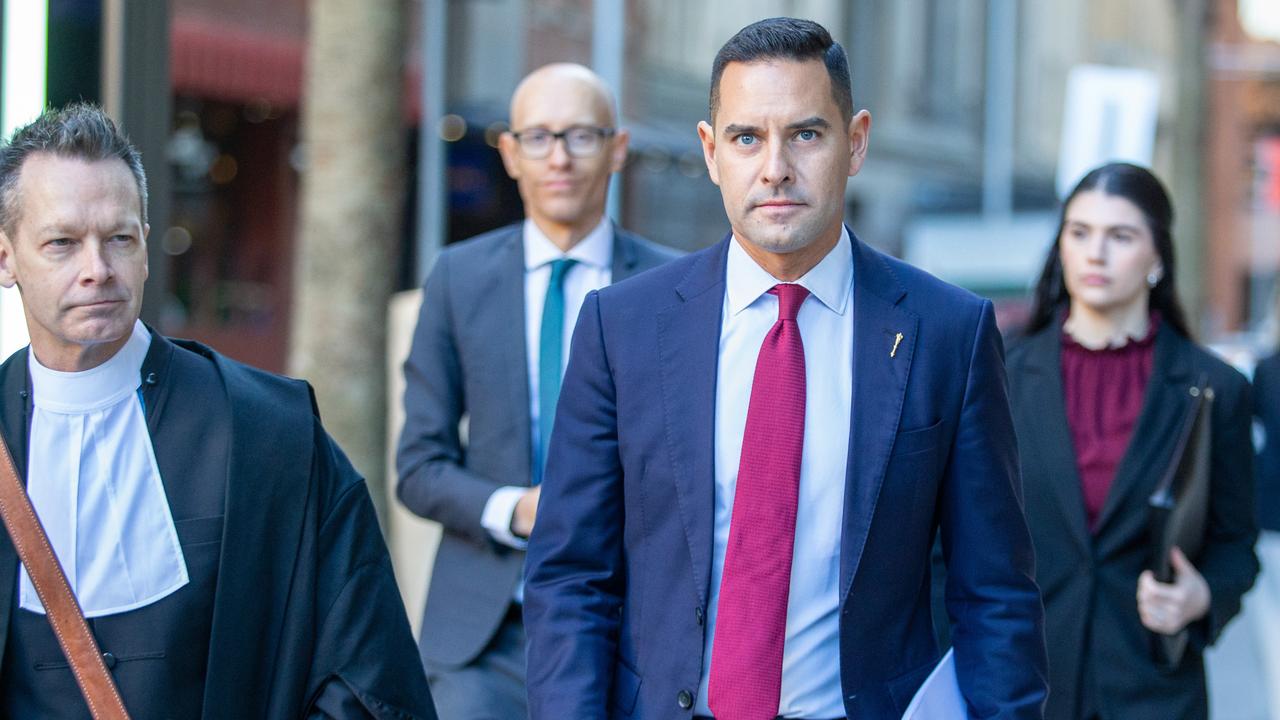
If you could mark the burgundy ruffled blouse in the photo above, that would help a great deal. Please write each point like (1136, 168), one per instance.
(1103, 390)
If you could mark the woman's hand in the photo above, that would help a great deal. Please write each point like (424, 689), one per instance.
(1168, 607)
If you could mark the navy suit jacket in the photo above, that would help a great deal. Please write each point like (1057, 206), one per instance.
(619, 564)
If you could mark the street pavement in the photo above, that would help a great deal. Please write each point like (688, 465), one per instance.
(1244, 665)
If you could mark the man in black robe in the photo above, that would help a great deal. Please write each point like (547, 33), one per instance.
(266, 590)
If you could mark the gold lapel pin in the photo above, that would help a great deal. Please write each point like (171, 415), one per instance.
(896, 339)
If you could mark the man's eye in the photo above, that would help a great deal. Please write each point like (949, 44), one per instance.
(747, 139)
(60, 242)
(807, 135)
(537, 138)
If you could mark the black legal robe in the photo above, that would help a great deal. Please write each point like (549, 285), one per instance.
(306, 619)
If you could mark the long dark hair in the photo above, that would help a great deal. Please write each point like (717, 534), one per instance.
(1144, 190)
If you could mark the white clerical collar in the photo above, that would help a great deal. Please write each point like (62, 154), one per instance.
(96, 388)
(595, 250)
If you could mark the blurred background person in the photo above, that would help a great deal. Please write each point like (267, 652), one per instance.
(490, 345)
(1266, 404)
(1100, 387)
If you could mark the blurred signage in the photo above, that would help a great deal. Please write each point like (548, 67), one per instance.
(1110, 116)
(990, 257)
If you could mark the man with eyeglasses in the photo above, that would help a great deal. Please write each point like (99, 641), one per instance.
(490, 346)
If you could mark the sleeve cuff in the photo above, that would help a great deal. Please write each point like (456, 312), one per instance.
(498, 512)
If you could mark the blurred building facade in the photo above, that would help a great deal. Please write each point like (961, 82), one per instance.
(231, 159)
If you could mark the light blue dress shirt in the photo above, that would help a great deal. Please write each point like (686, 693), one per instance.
(811, 655)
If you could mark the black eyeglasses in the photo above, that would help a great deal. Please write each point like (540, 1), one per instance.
(580, 141)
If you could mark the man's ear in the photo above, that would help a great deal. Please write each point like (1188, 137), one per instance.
(508, 146)
(618, 150)
(859, 138)
(8, 274)
(707, 135)
(146, 267)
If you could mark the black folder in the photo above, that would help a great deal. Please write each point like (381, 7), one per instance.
(1180, 506)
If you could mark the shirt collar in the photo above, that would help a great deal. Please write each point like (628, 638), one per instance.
(830, 281)
(96, 388)
(596, 249)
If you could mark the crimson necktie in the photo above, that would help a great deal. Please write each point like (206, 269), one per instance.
(751, 618)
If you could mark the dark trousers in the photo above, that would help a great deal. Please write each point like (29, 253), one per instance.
(492, 686)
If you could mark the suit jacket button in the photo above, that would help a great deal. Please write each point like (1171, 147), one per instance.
(109, 660)
(684, 699)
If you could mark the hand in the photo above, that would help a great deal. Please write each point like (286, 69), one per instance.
(1166, 608)
(526, 512)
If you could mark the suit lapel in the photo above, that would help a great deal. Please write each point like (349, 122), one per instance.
(1046, 426)
(688, 348)
(884, 342)
(509, 335)
(269, 495)
(1164, 406)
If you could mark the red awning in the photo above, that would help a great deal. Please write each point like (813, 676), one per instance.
(226, 62)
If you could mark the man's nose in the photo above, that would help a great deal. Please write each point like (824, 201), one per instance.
(96, 267)
(559, 156)
(778, 169)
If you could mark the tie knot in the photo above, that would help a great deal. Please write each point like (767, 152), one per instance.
(558, 269)
(790, 297)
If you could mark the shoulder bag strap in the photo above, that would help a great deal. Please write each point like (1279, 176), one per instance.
(69, 626)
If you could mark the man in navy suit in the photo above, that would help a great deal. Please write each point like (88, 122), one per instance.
(755, 446)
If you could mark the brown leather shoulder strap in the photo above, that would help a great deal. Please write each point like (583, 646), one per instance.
(96, 684)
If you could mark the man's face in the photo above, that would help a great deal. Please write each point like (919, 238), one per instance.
(781, 153)
(560, 190)
(78, 255)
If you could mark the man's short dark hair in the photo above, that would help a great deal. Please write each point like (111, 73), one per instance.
(80, 131)
(785, 38)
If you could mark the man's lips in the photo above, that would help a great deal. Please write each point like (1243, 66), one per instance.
(779, 205)
(98, 304)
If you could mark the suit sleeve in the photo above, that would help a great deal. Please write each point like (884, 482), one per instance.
(991, 596)
(575, 578)
(365, 663)
(1227, 562)
(433, 482)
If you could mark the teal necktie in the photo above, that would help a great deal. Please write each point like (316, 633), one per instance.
(550, 360)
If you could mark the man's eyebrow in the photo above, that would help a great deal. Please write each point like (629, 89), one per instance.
(736, 129)
(812, 122)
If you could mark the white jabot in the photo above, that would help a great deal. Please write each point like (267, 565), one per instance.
(811, 652)
(93, 480)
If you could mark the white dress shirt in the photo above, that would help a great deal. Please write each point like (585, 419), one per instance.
(811, 653)
(94, 483)
(592, 271)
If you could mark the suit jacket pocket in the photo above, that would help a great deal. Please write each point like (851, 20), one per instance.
(903, 688)
(197, 531)
(626, 687)
(910, 442)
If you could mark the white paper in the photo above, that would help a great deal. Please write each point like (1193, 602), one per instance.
(939, 697)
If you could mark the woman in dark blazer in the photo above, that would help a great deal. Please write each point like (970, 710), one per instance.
(1100, 385)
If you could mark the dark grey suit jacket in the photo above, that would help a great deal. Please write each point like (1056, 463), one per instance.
(469, 360)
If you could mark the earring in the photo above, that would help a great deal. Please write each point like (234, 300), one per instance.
(1153, 279)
